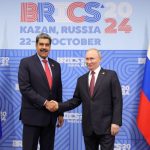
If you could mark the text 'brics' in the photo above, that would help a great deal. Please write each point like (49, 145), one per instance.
(77, 12)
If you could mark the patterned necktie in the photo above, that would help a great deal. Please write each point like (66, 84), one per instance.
(48, 73)
(92, 83)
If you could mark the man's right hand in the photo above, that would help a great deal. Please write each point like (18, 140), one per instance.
(52, 105)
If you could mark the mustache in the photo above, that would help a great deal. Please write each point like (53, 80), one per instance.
(43, 50)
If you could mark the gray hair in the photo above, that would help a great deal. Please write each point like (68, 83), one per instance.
(43, 36)
(96, 50)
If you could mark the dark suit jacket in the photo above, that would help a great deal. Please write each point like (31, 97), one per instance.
(101, 110)
(35, 90)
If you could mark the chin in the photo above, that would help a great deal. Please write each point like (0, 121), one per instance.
(43, 57)
(90, 69)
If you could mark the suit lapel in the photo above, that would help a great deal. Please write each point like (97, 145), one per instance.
(99, 81)
(87, 84)
(40, 69)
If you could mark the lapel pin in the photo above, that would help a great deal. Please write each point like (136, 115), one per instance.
(103, 72)
(52, 65)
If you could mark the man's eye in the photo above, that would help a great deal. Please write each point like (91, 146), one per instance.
(91, 59)
(46, 44)
(42, 44)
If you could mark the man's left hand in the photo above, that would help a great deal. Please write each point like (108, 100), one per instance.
(60, 121)
(114, 129)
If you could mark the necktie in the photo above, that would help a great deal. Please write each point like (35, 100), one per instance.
(92, 82)
(48, 73)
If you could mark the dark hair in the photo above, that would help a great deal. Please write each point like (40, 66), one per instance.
(43, 36)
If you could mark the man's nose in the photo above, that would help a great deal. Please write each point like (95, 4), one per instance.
(44, 46)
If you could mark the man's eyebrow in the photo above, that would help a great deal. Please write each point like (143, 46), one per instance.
(43, 43)
(89, 58)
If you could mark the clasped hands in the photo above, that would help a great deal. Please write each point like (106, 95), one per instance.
(51, 105)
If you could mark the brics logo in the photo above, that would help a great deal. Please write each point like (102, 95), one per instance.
(76, 12)
(31, 12)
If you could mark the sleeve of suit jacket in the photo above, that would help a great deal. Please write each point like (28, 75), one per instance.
(72, 103)
(59, 91)
(116, 100)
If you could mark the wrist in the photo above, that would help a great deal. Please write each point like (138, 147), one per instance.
(46, 101)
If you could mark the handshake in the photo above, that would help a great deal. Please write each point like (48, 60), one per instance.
(51, 105)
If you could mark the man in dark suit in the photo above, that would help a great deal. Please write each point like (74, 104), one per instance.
(99, 91)
(39, 81)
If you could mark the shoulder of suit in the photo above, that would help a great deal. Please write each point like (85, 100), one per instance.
(108, 71)
(28, 58)
(53, 61)
(83, 76)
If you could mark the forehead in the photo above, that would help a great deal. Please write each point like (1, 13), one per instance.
(42, 40)
(92, 53)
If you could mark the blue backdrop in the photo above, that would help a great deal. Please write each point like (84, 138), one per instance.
(120, 29)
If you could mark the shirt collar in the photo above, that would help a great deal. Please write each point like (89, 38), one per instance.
(97, 70)
(42, 58)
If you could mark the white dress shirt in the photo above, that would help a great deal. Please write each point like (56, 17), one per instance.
(96, 75)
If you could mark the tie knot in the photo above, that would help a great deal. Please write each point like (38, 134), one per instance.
(92, 73)
(44, 61)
